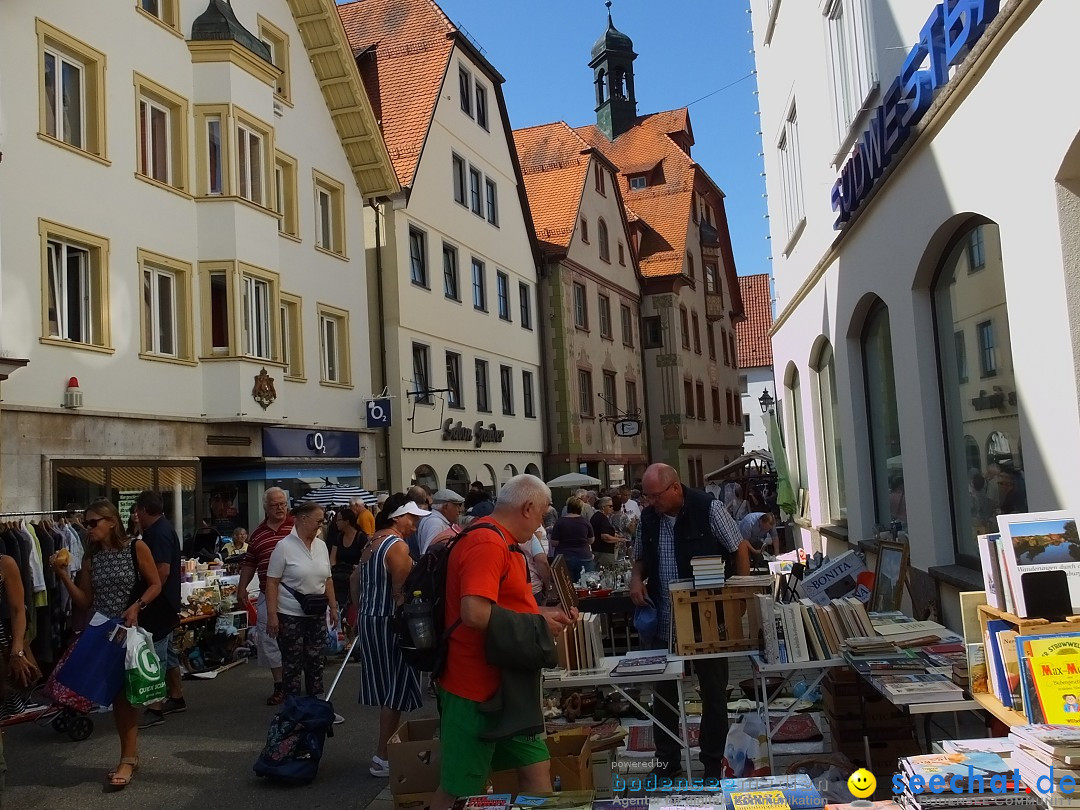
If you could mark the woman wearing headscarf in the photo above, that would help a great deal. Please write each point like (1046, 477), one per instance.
(386, 680)
(105, 584)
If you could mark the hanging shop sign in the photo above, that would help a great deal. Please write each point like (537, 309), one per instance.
(948, 36)
(378, 413)
(301, 443)
(477, 434)
(627, 428)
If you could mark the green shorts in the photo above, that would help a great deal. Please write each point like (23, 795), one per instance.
(467, 760)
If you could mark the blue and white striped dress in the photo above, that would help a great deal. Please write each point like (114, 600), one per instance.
(385, 679)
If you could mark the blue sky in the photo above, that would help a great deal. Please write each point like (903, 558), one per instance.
(686, 49)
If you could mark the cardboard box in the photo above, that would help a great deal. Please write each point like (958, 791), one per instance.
(413, 801)
(415, 754)
(571, 761)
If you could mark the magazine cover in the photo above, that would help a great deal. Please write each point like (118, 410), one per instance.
(1041, 541)
(844, 576)
(1035, 647)
(1056, 679)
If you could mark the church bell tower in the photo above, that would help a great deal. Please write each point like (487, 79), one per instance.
(613, 78)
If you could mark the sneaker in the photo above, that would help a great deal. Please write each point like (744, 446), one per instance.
(173, 706)
(276, 699)
(379, 767)
(338, 719)
(151, 718)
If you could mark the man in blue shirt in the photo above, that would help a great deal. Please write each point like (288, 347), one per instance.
(755, 527)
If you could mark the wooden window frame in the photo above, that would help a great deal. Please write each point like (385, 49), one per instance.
(289, 222)
(168, 16)
(176, 106)
(326, 184)
(182, 272)
(327, 312)
(93, 113)
(292, 339)
(279, 48)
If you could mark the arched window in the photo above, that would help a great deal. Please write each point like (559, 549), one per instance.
(887, 462)
(533, 470)
(829, 409)
(979, 395)
(794, 408)
(426, 477)
(458, 480)
(487, 471)
(602, 238)
(510, 471)
(601, 86)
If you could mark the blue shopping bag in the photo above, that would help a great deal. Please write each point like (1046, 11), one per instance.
(95, 667)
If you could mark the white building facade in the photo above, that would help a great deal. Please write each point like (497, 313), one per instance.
(182, 235)
(456, 316)
(922, 196)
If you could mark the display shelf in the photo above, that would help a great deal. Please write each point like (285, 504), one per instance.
(760, 665)
(1034, 623)
(1009, 717)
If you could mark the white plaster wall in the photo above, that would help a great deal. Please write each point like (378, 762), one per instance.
(964, 169)
(43, 180)
(758, 379)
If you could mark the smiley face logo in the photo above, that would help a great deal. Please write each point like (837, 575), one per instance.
(862, 784)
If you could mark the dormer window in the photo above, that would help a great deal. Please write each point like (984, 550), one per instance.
(638, 182)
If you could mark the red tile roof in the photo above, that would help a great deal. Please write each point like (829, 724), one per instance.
(753, 344)
(555, 164)
(404, 48)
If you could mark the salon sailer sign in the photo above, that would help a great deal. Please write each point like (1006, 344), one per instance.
(477, 434)
(952, 30)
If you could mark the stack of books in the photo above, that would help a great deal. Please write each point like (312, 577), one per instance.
(807, 631)
(1048, 753)
(983, 779)
(905, 689)
(908, 632)
(708, 571)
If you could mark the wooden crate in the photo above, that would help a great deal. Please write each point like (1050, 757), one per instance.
(714, 620)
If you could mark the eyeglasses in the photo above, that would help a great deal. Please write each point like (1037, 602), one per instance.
(651, 495)
(91, 523)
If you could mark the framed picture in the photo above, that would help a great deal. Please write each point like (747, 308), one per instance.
(889, 576)
(1038, 542)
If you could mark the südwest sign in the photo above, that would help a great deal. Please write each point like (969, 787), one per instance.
(477, 434)
(947, 37)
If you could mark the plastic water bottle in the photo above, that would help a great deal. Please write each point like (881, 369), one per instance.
(418, 617)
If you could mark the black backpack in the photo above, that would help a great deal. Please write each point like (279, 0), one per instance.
(428, 576)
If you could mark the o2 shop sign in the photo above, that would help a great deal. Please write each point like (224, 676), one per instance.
(947, 37)
(316, 443)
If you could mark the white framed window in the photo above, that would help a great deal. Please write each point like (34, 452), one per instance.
(626, 317)
(160, 328)
(475, 200)
(65, 93)
(502, 294)
(481, 106)
(483, 401)
(492, 195)
(638, 182)
(334, 345)
(453, 381)
(605, 316)
(329, 214)
(278, 42)
(256, 303)
(611, 398)
(852, 66)
(458, 168)
(164, 11)
(421, 359)
(418, 257)
(285, 195)
(292, 336)
(581, 307)
(74, 286)
(154, 140)
(465, 86)
(585, 397)
(71, 293)
(527, 393)
(450, 272)
(250, 164)
(213, 181)
(479, 286)
(525, 299)
(791, 172)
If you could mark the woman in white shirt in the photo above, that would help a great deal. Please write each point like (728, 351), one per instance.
(299, 569)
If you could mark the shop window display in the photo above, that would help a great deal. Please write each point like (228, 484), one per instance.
(890, 500)
(982, 405)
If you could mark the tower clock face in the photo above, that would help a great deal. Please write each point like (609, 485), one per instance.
(626, 428)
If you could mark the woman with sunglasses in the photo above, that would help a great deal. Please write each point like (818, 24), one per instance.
(119, 583)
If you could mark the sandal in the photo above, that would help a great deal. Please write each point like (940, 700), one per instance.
(114, 782)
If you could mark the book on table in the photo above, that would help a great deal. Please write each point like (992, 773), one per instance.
(794, 791)
(641, 665)
(903, 690)
(565, 800)
(1063, 742)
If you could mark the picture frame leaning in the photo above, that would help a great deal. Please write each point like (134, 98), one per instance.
(890, 576)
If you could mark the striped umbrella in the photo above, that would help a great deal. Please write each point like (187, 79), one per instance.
(338, 495)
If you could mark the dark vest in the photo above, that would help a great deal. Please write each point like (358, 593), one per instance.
(693, 538)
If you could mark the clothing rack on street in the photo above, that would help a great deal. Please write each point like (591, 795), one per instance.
(33, 513)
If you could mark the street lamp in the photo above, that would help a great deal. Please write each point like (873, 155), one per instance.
(765, 401)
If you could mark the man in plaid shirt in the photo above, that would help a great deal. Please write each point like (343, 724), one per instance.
(677, 525)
